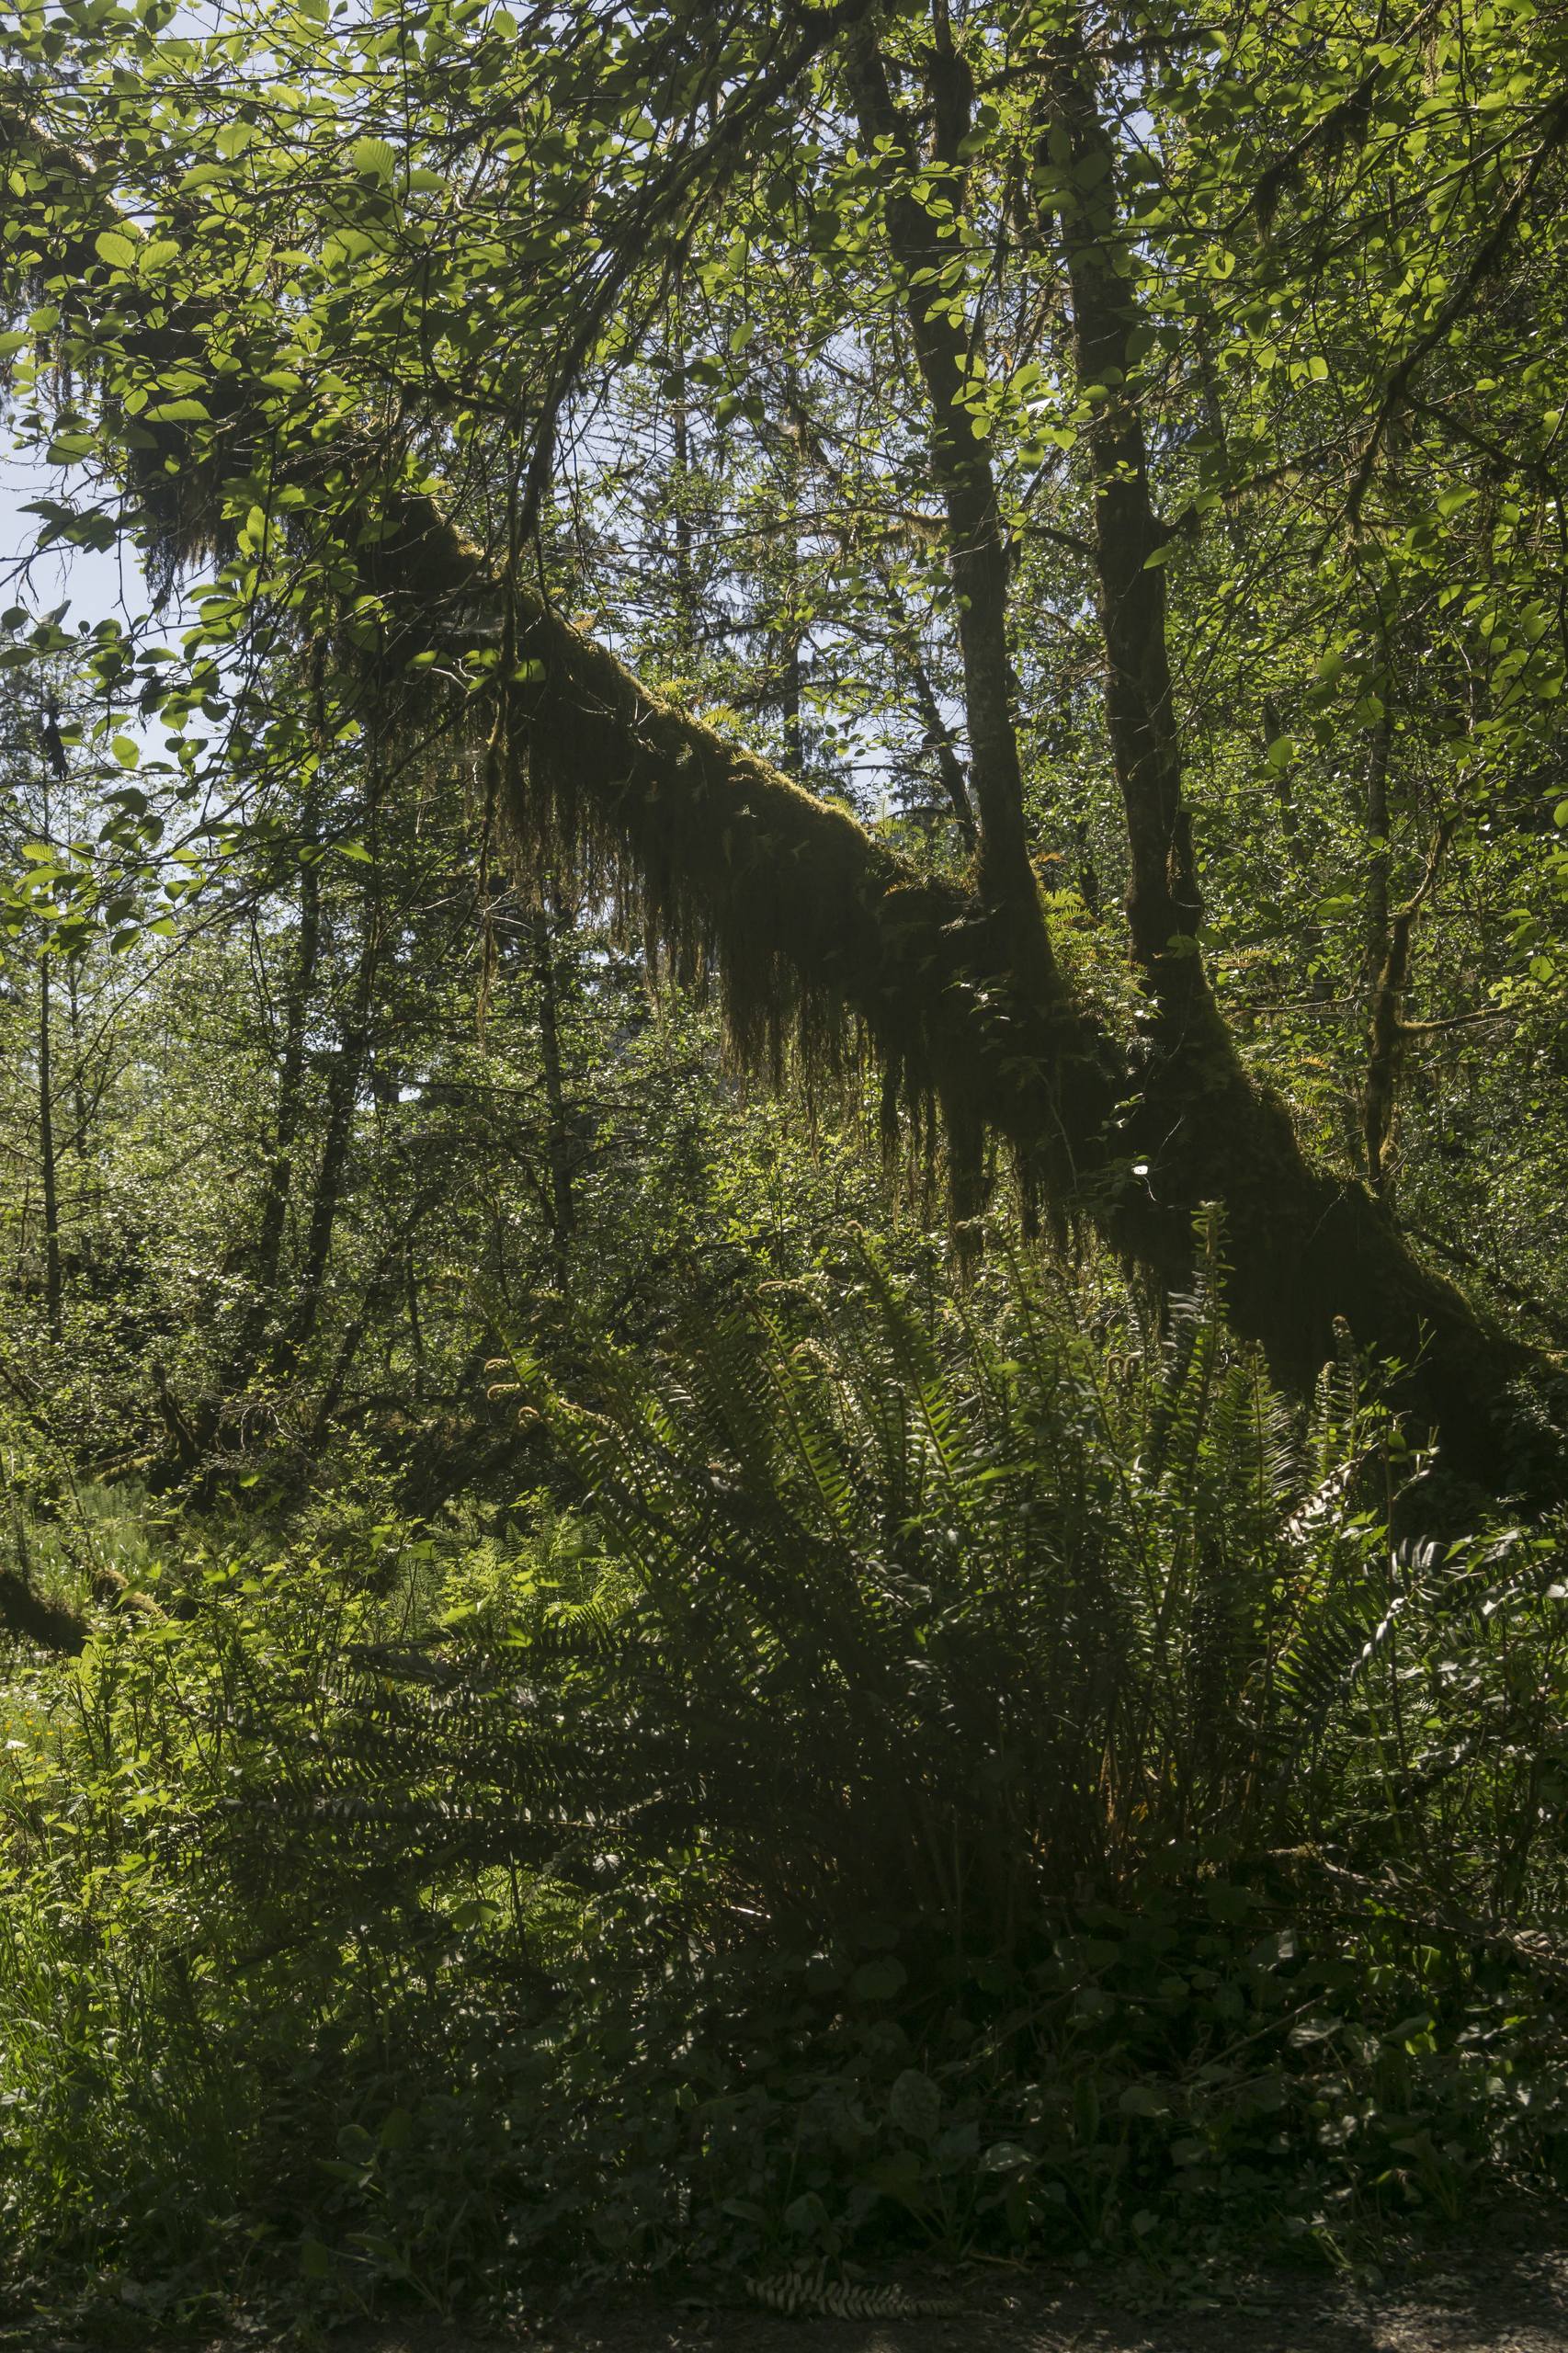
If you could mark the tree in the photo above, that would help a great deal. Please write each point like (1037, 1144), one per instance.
(352, 370)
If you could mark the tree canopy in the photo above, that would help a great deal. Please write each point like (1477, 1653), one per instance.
(864, 492)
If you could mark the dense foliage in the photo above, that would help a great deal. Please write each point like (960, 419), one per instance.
(944, 1781)
(784, 1012)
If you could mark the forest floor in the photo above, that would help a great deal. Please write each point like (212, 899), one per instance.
(1502, 2288)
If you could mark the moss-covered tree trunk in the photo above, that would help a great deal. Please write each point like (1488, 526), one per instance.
(812, 924)
(809, 920)
(1307, 1249)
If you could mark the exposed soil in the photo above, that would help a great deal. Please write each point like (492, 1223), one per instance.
(1502, 2289)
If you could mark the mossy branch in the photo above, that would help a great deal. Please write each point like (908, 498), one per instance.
(817, 930)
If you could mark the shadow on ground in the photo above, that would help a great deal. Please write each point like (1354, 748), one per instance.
(1500, 2289)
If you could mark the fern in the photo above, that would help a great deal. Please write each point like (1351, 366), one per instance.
(925, 1605)
(908, 1602)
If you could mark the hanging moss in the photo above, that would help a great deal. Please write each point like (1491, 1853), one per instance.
(821, 943)
(824, 944)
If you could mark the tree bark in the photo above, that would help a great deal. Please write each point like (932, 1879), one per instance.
(53, 1271)
(377, 1290)
(1385, 1025)
(342, 1096)
(1165, 908)
(558, 1138)
(685, 571)
(416, 1323)
(245, 1354)
(940, 738)
(1384, 974)
(81, 1111)
(950, 369)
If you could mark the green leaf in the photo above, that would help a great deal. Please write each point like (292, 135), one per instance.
(879, 1980)
(1228, 1901)
(1144, 2099)
(896, 2176)
(118, 250)
(373, 158)
(915, 2105)
(127, 753)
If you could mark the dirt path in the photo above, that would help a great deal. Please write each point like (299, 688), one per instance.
(1503, 2290)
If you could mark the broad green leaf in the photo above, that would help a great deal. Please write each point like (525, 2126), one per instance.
(373, 157)
(915, 2105)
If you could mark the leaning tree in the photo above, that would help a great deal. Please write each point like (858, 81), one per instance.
(340, 307)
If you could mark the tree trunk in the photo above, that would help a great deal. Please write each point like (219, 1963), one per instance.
(1383, 1001)
(53, 1272)
(342, 1096)
(680, 419)
(246, 1353)
(1306, 1249)
(81, 1110)
(940, 738)
(789, 698)
(415, 1325)
(811, 919)
(1386, 1031)
(34, 1617)
(377, 1292)
(950, 365)
(558, 1136)
(1165, 907)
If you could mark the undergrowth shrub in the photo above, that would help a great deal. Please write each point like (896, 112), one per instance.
(921, 1774)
